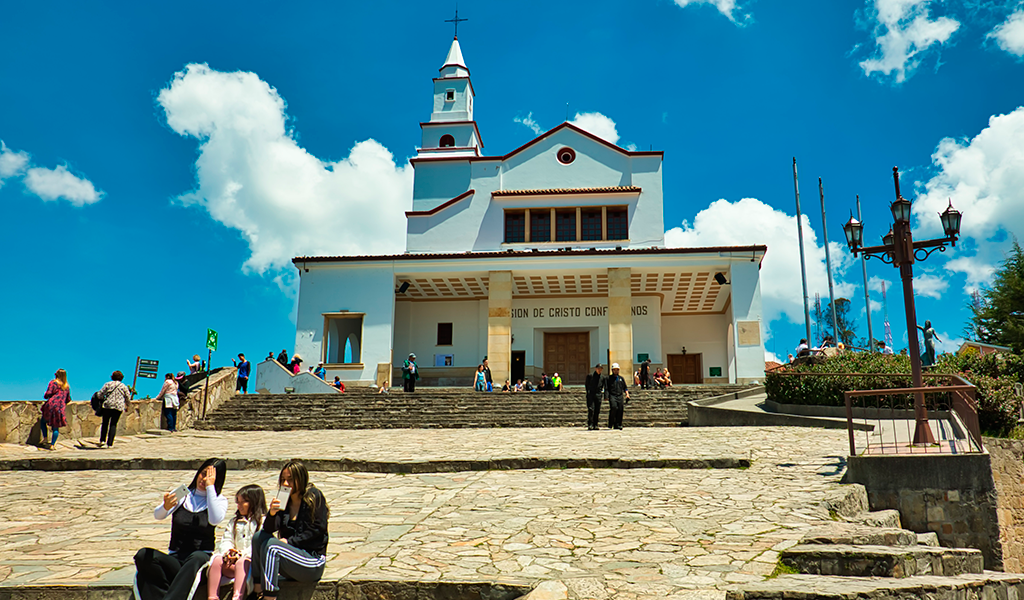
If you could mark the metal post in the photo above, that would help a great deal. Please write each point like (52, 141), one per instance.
(803, 267)
(206, 391)
(828, 265)
(867, 298)
(136, 378)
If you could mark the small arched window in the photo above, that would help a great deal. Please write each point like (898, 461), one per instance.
(447, 141)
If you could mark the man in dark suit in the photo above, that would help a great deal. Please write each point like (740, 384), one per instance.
(617, 392)
(645, 374)
(594, 383)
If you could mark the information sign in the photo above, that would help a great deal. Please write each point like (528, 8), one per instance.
(211, 339)
(148, 369)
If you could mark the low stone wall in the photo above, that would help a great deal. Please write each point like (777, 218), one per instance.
(950, 494)
(19, 421)
(1008, 473)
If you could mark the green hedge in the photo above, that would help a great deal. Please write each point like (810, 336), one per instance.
(993, 375)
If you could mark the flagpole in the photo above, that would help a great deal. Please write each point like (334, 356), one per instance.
(828, 265)
(867, 298)
(803, 267)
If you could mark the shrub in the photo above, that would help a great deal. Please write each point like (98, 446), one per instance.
(993, 375)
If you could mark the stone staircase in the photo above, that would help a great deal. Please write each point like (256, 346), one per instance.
(869, 555)
(363, 408)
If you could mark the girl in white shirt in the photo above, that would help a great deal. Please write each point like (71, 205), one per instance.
(234, 554)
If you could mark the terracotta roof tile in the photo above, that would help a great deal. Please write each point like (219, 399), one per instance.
(620, 189)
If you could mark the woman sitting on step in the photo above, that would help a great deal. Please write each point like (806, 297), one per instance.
(194, 517)
(300, 524)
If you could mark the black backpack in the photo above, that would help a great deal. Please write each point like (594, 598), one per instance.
(97, 403)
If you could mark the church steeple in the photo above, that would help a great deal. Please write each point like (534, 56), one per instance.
(451, 130)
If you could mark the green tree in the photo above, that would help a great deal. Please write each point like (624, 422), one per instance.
(999, 317)
(847, 333)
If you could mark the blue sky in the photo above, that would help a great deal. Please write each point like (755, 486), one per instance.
(163, 162)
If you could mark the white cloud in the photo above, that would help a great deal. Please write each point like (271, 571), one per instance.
(904, 30)
(931, 286)
(12, 163)
(597, 124)
(875, 284)
(254, 177)
(529, 123)
(944, 342)
(770, 356)
(1009, 34)
(750, 221)
(55, 184)
(984, 178)
(728, 8)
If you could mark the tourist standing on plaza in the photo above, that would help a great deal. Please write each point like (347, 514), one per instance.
(234, 555)
(487, 376)
(645, 374)
(57, 396)
(595, 384)
(299, 550)
(116, 398)
(194, 517)
(410, 373)
(480, 382)
(169, 394)
(617, 393)
(244, 368)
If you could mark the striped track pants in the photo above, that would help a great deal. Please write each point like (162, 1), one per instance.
(294, 563)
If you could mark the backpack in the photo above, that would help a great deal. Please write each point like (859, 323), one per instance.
(97, 403)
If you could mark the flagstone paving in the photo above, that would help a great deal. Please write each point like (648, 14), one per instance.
(643, 533)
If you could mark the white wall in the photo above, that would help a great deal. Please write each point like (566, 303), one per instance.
(477, 223)
(701, 334)
(273, 378)
(368, 289)
(416, 331)
(746, 306)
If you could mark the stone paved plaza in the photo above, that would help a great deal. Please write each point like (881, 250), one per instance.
(638, 533)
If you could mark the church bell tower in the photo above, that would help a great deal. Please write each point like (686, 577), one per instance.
(451, 130)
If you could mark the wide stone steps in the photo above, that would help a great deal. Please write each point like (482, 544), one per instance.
(882, 561)
(363, 408)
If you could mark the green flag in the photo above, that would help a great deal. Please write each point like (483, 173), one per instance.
(211, 339)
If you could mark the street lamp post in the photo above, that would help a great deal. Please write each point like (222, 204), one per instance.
(900, 250)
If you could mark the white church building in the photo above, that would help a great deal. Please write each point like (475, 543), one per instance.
(550, 258)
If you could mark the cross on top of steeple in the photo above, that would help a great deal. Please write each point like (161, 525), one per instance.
(456, 21)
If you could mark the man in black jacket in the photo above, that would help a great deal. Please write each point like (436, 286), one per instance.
(617, 392)
(645, 374)
(595, 384)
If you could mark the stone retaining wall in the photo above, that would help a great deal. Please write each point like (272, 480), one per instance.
(1008, 472)
(19, 421)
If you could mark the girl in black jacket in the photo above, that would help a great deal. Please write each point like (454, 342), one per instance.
(175, 575)
(299, 551)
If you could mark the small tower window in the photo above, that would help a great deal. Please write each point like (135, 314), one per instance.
(449, 95)
(566, 156)
(447, 141)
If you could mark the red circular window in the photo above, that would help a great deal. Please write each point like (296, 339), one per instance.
(566, 155)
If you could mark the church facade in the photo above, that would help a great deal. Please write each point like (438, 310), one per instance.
(550, 258)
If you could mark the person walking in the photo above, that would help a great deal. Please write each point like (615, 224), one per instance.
(283, 359)
(595, 384)
(487, 376)
(57, 396)
(410, 373)
(244, 367)
(116, 397)
(320, 371)
(169, 394)
(616, 391)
